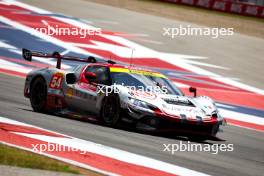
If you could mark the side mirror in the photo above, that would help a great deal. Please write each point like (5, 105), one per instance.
(90, 76)
(193, 90)
(71, 78)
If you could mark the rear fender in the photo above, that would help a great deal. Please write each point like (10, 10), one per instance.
(47, 75)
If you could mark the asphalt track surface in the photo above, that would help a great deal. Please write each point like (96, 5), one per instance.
(248, 155)
(246, 159)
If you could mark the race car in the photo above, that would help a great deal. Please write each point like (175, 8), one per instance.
(114, 93)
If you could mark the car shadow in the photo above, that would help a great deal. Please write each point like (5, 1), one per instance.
(126, 127)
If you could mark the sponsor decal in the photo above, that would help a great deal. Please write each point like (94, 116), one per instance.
(144, 94)
(185, 113)
(56, 80)
(69, 92)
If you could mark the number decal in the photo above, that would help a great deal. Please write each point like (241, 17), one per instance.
(56, 81)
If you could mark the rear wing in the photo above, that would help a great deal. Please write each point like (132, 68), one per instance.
(27, 55)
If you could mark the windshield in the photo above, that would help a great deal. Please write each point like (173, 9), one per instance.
(144, 82)
(166, 84)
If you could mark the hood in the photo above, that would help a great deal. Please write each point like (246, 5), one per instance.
(181, 106)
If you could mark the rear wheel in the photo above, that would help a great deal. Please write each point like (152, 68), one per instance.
(111, 110)
(38, 95)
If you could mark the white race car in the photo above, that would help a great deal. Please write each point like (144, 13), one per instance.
(112, 93)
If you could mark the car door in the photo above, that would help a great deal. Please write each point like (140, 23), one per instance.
(84, 92)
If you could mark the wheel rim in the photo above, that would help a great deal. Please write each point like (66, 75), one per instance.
(38, 95)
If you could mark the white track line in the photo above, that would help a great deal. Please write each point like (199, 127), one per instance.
(170, 58)
(167, 57)
(107, 151)
(75, 163)
(241, 116)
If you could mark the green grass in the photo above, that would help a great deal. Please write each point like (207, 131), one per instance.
(20, 158)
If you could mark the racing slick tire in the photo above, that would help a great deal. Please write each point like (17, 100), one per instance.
(111, 111)
(38, 94)
(213, 131)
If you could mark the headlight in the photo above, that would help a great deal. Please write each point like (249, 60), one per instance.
(217, 115)
(141, 104)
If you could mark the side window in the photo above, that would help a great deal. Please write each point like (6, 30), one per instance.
(91, 69)
(102, 74)
(77, 70)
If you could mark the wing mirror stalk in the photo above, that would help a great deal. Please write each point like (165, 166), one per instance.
(193, 90)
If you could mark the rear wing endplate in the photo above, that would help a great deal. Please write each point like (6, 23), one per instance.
(27, 55)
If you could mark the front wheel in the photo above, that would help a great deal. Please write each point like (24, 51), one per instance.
(38, 95)
(110, 111)
(212, 131)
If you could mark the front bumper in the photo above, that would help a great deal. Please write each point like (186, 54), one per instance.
(158, 121)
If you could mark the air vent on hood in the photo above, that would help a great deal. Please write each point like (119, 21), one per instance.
(178, 102)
